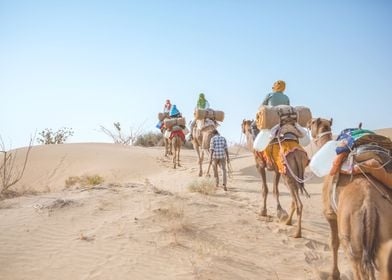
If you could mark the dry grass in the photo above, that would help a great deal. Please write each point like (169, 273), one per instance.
(176, 219)
(204, 186)
(84, 181)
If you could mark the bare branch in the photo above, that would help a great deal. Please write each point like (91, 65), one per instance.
(9, 176)
(119, 137)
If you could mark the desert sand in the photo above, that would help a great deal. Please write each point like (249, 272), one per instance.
(143, 222)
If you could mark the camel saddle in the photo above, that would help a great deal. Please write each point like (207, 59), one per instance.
(370, 159)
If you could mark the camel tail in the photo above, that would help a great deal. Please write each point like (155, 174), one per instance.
(370, 242)
(301, 161)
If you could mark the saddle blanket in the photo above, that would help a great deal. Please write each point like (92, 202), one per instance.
(275, 154)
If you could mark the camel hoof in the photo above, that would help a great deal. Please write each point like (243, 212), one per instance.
(282, 215)
(263, 213)
(334, 276)
(297, 235)
(287, 222)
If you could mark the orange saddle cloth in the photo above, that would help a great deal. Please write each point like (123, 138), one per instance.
(275, 153)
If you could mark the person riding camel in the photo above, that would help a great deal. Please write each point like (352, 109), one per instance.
(277, 97)
(202, 104)
(167, 107)
(174, 112)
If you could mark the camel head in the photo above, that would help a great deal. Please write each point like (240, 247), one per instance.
(320, 129)
(246, 126)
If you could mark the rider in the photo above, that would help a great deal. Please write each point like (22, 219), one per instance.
(277, 97)
(174, 112)
(167, 106)
(202, 104)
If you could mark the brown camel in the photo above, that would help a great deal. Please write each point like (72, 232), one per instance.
(176, 143)
(358, 212)
(246, 127)
(296, 162)
(201, 143)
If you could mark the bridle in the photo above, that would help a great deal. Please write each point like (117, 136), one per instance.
(321, 135)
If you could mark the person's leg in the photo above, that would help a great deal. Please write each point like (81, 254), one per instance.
(215, 168)
(223, 166)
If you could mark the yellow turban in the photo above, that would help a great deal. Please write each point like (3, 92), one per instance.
(279, 86)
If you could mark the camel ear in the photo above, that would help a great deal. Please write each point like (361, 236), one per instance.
(318, 121)
(330, 122)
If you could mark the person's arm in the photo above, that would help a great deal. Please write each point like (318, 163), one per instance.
(227, 152)
(266, 99)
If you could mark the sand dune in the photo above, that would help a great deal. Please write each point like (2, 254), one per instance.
(142, 222)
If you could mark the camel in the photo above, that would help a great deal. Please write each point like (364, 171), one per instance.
(296, 162)
(358, 212)
(201, 143)
(261, 168)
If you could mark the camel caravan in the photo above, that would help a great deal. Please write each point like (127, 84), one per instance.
(356, 167)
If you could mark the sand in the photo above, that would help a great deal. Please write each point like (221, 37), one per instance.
(143, 222)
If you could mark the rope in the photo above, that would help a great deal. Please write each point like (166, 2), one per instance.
(383, 194)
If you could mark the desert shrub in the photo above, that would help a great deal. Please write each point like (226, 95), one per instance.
(150, 139)
(10, 173)
(83, 181)
(120, 137)
(204, 186)
(48, 136)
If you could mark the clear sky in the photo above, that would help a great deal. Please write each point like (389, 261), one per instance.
(82, 64)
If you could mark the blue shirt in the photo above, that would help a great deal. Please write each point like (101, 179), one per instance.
(276, 98)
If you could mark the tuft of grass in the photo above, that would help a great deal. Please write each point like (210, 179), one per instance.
(204, 186)
(83, 181)
(93, 180)
(177, 222)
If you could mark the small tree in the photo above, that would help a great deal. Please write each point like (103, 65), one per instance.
(9, 174)
(119, 137)
(47, 136)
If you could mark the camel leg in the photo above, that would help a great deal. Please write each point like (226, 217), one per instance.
(201, 159)
(299, 205)
(333, 225)
(280, 212)
(264, 191)
(197, 149)
(174, 143)
(166, 147)
(178, 155)
(289, 220)
(296, 201)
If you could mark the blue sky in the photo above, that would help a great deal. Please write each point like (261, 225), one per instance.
(83, 64)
